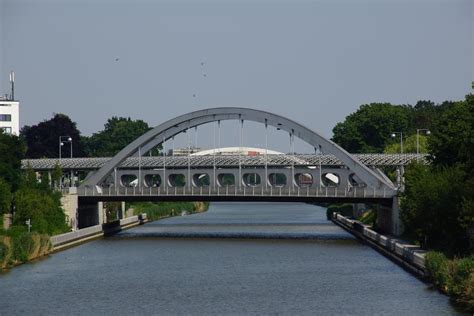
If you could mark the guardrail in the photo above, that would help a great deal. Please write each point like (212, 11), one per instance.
(411, 254)
(330, 192)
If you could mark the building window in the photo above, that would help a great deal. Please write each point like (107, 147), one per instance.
(6, 130)
(5, 117)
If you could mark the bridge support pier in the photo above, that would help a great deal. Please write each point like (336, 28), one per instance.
(90, 214)
(388, 218)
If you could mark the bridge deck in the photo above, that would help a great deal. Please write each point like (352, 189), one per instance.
(224, 161)
(234, 193)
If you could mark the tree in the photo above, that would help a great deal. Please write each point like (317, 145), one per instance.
(42, 208)
(409, 145)
(370, 127)
(42, 140)
(368, 130)
(118, 132)
(452, 139)
(438, 203)
(5, 197)
(12, 150)
(433, 208)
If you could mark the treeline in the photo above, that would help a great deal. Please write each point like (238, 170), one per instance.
(42, 140)
(370, 128)
(438, 202)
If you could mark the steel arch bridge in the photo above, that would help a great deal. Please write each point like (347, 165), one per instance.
(369, 184)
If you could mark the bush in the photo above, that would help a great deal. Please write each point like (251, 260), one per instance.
(454, 277)
(21, 246)
(3, 252)
(437, 266)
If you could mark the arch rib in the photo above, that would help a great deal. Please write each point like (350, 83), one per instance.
(181, 123)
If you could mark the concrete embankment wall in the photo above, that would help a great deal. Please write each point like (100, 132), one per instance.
(70, 239)
(408, 256)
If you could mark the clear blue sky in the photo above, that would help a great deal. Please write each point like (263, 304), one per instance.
(313, 61)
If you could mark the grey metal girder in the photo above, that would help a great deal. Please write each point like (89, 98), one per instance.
(181, 123)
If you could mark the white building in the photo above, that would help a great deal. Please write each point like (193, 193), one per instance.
(9, 116)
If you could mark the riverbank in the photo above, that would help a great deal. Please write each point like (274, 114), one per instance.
(18, 246)
(453, 277)
(159, 210)
(410, 257)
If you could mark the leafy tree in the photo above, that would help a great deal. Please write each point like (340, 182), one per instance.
(43, 139)
(5, 197)
(438, 203)
(12, 150)
(118, 132)
(56, 176)
(409, 145)
(368, 129)
(452, 139)
(43, 208)
(432, 208)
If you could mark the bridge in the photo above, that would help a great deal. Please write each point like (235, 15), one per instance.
(329, 175)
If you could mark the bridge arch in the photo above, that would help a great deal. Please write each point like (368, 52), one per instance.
(179, 124)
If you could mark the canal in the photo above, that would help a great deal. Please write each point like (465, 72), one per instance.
(283, 258)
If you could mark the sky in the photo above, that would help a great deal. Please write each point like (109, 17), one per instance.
(312, 61)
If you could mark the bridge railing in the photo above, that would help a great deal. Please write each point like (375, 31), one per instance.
(329, 192)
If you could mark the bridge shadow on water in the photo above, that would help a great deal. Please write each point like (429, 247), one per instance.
(289, 221)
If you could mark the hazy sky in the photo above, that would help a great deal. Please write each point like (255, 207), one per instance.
(313, 61)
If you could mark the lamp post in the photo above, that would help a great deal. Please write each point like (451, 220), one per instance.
(62, 140)
(418, 130)
(394, 134)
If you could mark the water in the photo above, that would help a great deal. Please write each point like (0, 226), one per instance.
(314, 268)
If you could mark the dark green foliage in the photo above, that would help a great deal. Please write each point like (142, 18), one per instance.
(438, 203)
(343, 209)
(12, 150)
(118, 132)
(452, 139)
(3, 252)
(5, 197)
(112, 210)
(369, 218)
(22, 247)
(454, 277)
(43, 208)
(369, 128)
(431, 208)
(158, 210)
(43, 139)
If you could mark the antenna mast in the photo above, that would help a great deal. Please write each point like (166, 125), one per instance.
(12, 82)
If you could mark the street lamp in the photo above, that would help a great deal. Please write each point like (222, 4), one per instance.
(62, 140)
(394, 134)
(418, 130)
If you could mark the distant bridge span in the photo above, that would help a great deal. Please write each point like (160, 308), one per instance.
(184, 122)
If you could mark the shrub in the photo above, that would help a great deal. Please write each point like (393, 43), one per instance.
(437, 266)
(3, 253)
(454, 277)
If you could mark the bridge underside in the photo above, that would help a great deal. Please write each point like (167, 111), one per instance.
(231, 198)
